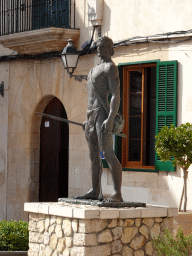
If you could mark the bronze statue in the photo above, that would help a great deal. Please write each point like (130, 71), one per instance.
(103, 80)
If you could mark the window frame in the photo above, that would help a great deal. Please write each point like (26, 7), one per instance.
(118, 140)
(126, 69)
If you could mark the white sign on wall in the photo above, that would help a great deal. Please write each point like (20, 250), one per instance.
(46, 123)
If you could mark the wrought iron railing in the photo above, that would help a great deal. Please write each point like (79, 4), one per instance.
(24, 15)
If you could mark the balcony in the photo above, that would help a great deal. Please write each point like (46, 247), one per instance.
(36, 26)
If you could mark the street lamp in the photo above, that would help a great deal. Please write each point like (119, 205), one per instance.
(70, 57)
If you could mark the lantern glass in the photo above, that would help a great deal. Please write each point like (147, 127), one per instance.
(70, 57)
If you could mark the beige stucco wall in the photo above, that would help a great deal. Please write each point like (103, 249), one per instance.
(31, 84)
(4, 71)
(123, 19)
(163, 188)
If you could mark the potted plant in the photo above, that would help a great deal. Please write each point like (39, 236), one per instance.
(14, 237)
(175, 144)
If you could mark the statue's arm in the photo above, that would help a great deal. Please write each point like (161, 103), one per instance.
(114, 88)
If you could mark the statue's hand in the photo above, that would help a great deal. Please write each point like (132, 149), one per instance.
(107, 126)
(84, 123)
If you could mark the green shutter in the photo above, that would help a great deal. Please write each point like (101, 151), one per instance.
(166, 103)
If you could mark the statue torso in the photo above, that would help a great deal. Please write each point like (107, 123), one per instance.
(97, 78)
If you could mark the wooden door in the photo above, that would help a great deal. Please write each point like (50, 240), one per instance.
(54, 148)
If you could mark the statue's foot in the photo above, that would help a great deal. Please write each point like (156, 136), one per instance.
(113, 199)
(89, 195)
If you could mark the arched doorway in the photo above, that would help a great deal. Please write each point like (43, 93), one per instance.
(54, 151)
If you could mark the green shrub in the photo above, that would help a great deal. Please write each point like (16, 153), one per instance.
(14, 236)
(168, 246)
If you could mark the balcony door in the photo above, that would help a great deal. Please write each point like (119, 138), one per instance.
(50, 13)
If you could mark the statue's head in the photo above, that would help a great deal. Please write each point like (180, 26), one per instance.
(106, 43)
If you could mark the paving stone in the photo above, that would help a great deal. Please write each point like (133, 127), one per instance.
(47, 223)
(43, 208)
(48, 251)
(139, 253)
(105, 236)
(144, 231)
(66, 252)
(53, 220)
(53, 241)
(59, 231)
(128, 234)
(55, 253)
(171, 212)
(59, 220)
(84, 213)
(127, 251)
(153, 212)
(116, 246)
(42, 251)
(41, 226)
(68, 242)
(36, 237)
(77, 251)
(129, 222)
(108, 213)
(149, 249)
(75, 225)
(138, 222)
(113, 223)
(32, 225)
(33, 247)
(155, 231)
(117, 232)
(59, 210)
(80, 239)
(158, 219)
(67, 227)
(46, 238)
(91, 226)
(120, 222)
(149, 222)
(51, 229)
(130, 213)
(137, 242)
(61, 245)
(99, 250)
(167, 223)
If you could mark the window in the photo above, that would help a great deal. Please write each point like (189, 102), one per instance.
(139, 99)
(149, 102)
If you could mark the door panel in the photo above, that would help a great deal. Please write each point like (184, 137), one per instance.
(54, 141)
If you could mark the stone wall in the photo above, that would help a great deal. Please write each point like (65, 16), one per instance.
(114, 232)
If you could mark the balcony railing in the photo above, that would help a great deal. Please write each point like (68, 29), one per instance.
(25, 15)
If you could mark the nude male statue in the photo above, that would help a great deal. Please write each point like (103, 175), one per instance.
(99, 124)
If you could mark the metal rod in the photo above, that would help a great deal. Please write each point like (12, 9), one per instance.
(59, 119)
(72, 122)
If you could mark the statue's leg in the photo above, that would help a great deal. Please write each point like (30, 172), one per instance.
(114, 166)
(94, 154)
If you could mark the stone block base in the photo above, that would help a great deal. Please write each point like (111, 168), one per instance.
(60, 229)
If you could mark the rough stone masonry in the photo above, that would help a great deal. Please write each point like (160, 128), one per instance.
(94, 231)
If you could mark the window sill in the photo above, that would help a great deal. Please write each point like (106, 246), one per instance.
(139, 170)
(105, 165)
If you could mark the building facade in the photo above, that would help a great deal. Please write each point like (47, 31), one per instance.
(42, 159)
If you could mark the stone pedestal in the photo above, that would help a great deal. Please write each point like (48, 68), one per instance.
(82, 230)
